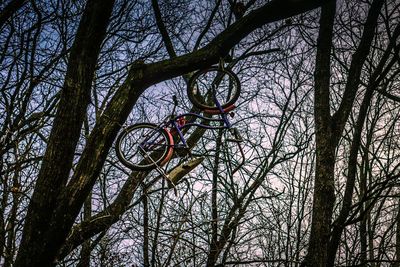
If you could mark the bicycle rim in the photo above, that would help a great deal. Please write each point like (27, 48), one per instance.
(143, 146)
(207, 87)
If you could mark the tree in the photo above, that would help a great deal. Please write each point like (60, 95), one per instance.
(318, 113)
(59, 194)
(329, 128)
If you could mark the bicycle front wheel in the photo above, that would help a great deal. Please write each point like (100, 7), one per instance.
(213, 85)
(143, 146)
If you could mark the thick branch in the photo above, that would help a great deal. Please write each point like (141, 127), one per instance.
(222, 43)
(163, 30)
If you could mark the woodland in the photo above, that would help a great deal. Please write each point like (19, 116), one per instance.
(317, 184)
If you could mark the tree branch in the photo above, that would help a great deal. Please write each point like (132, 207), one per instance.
(10, 9)
(341, 115)
(163, 30)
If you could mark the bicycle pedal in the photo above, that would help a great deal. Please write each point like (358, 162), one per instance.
(232, 114)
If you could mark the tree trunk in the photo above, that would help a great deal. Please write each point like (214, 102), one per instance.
(39, 247)
(324, 197)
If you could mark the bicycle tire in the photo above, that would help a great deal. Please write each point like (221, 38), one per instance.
(158, 150)
(227, 90)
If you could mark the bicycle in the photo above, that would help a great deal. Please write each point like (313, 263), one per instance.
(145, 146)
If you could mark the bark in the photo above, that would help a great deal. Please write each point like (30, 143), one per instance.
(363, 191)
(363, 239)
(324, 197)
(86, 246)
(370, 235)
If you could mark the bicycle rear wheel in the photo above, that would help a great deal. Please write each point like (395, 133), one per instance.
(208, 86)
(143, 146)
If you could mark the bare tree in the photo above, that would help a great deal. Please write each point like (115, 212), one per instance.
(65, 178)
(318, 114)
